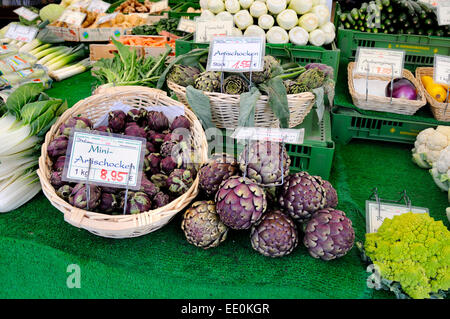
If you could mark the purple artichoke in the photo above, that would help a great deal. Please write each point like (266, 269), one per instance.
(150, 148)
(157, 121)
(202, 226)
(138, 116)
(59, 163)
(275, 235)
(180, 121)
(168, 164)
(219, 168)
(263, 162)
(166, 148)
(58, 146)
(56, 179)
(301, 195)
(174, 137)
(155, 138)
(159, 180)
(134, 130)
(179, 181)
(148, 187)
(75, 122)
(104, 129)
(329, 234)
(160, 200)
(64, 192)
(116, 121)
(240, 202)
(108, 203)
(111, 190)
(137, 203)
(152, 163)
(78, 197)
(331, 194)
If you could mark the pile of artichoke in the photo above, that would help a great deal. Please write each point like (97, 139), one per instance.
(256, 192)
(167, 173)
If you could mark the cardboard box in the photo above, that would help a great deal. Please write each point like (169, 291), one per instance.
(66, 34)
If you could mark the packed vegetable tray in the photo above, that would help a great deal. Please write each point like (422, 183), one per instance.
(98, 34)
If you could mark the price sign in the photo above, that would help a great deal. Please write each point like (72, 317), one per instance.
(72, 17)
(26, 13)
(21, 32)
(80, 4)
(114, 160)
(206, 29)
(98, 6)
(443, 12)
(186, 25)
(236, 54)
(442, 69)
(378, 62)
(291, 136)
(159, 6)
(107, 18)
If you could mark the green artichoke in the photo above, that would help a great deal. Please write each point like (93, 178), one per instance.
(207, 81)
(183, 75)
(234, 84)
(293, 87)
(275, 235)
(202, 226)
(262, 76)
(312, 78)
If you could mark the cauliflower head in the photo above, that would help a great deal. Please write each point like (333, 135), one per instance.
(413, 250)
(441, 171)
(429, 144)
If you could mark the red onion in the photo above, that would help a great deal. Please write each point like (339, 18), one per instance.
(402, 89)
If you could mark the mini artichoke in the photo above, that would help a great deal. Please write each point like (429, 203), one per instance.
(108, 203)
(179, 181)
(180, 121)
(157, 121)
(293, 87)
(166, 148)
(312, 78)
(75, 122)
(219, 168)
(152, 163)
(64, 192)
(208, 81)
(174, 137)
(134, 130)
(234, 84)
(331, 194)
(275, 235)
(183, 75)
(168, 164)
(59, 163)
(263, 161)
(240, 202)
(160, 200)
(329, 234)
(155, 138)
(56, 179)
(78, 197)
(137, 202)
(202, 226)
(58, 147)
(150, 148)
(159, 180)
(148, 187)
(104, 129)
(138, 116)
(301, 195)
(117, 121)
(262, 76)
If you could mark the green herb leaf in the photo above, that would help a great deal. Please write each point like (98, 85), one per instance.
(32, 111)
(23, 95)
(247, 107)
(44, 119)
(278, 101)
(199, 103)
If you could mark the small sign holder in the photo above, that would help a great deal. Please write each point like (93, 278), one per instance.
(367, 79)
(126, 192)
(441, 74)
(88, 189)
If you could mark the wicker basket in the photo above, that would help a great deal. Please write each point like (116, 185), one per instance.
(381, 103)
(438, 108)
(225, 108)
(120, 226)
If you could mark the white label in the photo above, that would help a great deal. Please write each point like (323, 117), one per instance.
(379, 62)
(114, 159)
(107, 18)
(236, 54)
(72, 17)
(186, 25)
(375, 213)
(80, 4)
(290, 136)
(26, 13)
(159, 6)
(442, 69)
(443, 12)
(21, 32)
(206, 29)
(98, 6)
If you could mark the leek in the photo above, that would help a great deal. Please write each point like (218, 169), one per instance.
(40, 48)
(55, 54)
(31, 45)
(67, 58)
(71, 70)
(45, 52)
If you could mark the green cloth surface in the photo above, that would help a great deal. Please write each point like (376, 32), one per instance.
(37, 245)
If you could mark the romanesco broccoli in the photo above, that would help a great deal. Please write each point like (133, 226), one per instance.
(414, 250)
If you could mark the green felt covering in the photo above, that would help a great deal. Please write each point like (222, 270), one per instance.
(36, 245)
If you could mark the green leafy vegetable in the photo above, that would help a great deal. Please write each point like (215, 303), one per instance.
(199, 103)
(23, 95)
(278, 101)
(247, 107)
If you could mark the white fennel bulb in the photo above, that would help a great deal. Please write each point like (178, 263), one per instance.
(266, 21)
(254, 31)
(204, 4)
(257, 9)
(298, 36)
(235, 32)
(287, 19)
(330, 32)
(276, 6)
(301, 6)
(277, 35)
(207, 14)
(322, 12)
(232, 6)
(317, 38)
(245, 4)
(243, 19)
(309, 22)
(224, 15)
(216, 6)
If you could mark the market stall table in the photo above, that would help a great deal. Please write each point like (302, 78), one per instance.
(37, 246)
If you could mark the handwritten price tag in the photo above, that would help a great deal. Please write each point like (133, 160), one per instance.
(159, 6)
(26, 13)
(72, 17)
(21, 32)
(441, 69)
(206, 29)
(186, 25)
(98, 6)
(291, 136)
(114, 160)
(379, 62)
(443, 12)
(236, 54)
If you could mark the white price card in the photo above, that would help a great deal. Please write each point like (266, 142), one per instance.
(442, 69)
(291, 136)
(114, 160)
(443, 12)
(107, 18)
(377, 212)
(236, 54)
(186, 25)
(159, 6)
(80, 4)
(206, 29)
(98, 6)
(26, 13)
(379, 62)
(20, 32)
(72, 17)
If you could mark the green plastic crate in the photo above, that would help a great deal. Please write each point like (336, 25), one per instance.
(348, 124)
(284, 52)
(315, 155)
(420, 50)
(182, 8)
